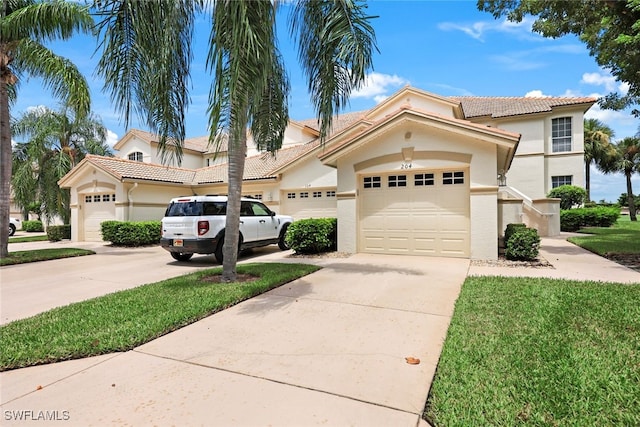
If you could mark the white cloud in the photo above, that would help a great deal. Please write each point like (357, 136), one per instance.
(478, 30)
(607, 80)
(377, 85)
(532, 59)
(535, 94)
(112, 138)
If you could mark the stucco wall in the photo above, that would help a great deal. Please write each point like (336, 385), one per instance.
(432, 149)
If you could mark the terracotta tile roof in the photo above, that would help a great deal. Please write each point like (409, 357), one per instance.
(424, 114)
(198, 143)
(122, 169)
(261, 166)
(475, 106)
(340, 122)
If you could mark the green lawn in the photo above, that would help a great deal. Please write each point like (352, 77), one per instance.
(23, 239)
(534, 352)
(123, 320)
(21, 257)
(622, 238)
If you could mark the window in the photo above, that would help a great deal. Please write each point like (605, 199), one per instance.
(372, 182)
(304, 195)
(397, 181)
(259, 209)
(136, 157)
(87, 199)
(291, 195)
(557, 181)
(449, 178)
(331, 193)
(96, 199)
(106, 197)
(421, 179)
(561, 134)
(317, 194)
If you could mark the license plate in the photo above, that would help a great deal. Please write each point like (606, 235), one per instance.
(177, 242)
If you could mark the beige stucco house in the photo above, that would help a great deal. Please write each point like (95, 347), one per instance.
(418, 174)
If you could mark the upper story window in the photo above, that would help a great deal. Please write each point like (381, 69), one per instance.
(561, 134)
(136, 156)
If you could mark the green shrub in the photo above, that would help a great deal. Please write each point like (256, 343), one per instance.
(122, 233)
(55, 233)
(569, 195)
(574, 219)
(312, 236)
(32, 226)
(523, 245)
(512, 228)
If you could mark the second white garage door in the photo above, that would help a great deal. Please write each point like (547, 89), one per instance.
(309, 203)
(415, 213)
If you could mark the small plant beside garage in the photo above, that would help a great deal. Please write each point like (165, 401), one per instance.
(313, 236)
(521, 243)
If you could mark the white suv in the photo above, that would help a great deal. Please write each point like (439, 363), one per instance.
(14, 224)
(195, 225)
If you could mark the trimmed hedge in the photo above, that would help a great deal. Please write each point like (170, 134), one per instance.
(123, 233)
(512, 228)
(32, 226)
(55, 233)
(523, 244)
(574, 219)
(569, 195)
(313, 236)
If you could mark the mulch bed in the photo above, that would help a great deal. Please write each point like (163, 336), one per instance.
(628, 260)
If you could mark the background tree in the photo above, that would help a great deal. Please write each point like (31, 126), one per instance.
(627, 161)
(25, 25)
(608, 28)
(55, 143)
(597, 148)
(250, 87)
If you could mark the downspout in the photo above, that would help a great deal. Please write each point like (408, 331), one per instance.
(130, 199)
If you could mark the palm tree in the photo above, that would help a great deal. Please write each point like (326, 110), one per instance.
(597, 147)
(56, 142)
(627, 161)
(25, 25)
(250, 87)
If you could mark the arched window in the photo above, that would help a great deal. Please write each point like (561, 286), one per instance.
(136, 156)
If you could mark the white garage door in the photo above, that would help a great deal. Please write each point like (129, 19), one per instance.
(97, 208)
(309, 203)
(415, 213)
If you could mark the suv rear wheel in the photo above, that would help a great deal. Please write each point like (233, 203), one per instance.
(179, 256)
(12, 229)
(220, 249)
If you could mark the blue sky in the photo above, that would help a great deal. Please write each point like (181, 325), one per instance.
(445, 47)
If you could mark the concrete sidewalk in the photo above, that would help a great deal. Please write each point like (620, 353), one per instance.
(327, 349)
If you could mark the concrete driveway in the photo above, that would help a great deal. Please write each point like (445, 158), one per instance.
(327, 349)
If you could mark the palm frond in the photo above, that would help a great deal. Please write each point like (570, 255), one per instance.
(145, 62)
(45, 20)
(335, 47)
(59, 74)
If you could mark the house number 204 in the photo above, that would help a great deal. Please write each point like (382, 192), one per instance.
(405, 166)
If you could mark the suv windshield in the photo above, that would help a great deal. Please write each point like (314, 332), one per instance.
(196, 208)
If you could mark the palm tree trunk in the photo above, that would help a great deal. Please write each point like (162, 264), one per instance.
(5, 175)
(237, 153)
(632, 207)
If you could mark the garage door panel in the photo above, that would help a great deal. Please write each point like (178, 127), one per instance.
(309, 203)
(97, 209)
(420, 220)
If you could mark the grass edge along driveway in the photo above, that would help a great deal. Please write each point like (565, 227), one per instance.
(537, 351)
(123, 320)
